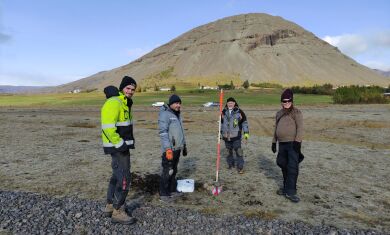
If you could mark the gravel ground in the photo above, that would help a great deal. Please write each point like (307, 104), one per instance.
(31, 213)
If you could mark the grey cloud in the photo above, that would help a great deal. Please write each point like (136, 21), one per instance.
(350, 44)
(355, 44)
(4, 37)
(383, 38)
(371, 49)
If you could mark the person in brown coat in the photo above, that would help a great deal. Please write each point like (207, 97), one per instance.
(288, 132)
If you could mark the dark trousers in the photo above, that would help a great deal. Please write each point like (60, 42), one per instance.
(236, 146)
(168, 181)
(287, 160)
(119, 185)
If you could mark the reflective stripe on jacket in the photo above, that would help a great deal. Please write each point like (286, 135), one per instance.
(117, 124)
(170, 129)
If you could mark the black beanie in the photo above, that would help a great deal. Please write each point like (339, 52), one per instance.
(126, 80)
(287, 94)
(173, 99)
(231, 99)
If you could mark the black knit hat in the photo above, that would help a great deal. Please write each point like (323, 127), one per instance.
(126, 80)
(173, 99)
(231, 99)
(287, 94)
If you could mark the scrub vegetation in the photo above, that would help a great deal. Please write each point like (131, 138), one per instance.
(360, 95)
(326, 89)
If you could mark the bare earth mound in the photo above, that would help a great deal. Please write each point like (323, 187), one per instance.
(343, 181)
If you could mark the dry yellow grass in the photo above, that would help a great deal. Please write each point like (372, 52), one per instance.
(360, 216)
(267, 215)
(209, 210)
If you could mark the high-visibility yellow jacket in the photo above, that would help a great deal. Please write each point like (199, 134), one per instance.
(117, 125)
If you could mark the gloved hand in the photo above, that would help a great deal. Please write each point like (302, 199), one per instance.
(246, 136)
(297, 146)
(273, 147)
(169, 154)
(123, 148)
(185, 150)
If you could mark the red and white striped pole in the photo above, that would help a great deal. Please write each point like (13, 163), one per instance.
(217, 189)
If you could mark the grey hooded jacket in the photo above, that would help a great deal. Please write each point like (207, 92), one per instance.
(233, 123)
(170, 129)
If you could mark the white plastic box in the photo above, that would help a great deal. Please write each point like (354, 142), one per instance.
(185, 185)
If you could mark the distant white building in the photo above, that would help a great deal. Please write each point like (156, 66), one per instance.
(165, 89)
(75, 91)
(209, 87)
(158, 104)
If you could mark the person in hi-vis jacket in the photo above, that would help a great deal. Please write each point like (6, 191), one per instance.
(117, 137)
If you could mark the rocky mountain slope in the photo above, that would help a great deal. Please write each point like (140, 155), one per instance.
(384, 73)
(255, 47)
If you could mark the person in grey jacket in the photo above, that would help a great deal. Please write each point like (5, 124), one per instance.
(233, 123)
(172, 144)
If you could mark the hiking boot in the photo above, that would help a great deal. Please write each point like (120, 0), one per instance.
(293, 198)
(120, 216)
(240, 171)
(108, 210)
(166, 199)
(280, 192)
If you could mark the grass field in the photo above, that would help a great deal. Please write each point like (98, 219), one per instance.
(189, 98)
(342, 181)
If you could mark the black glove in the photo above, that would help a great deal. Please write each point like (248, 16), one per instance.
(273, 147)
(185, 150)
(297, 146)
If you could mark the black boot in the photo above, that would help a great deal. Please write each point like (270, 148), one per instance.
(294, 198)
(280, 192)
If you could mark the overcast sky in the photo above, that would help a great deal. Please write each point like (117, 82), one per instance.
(52, 42)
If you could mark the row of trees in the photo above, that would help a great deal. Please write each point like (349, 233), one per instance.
(342, 95)
(266, 85)
(246, 85)
(326, 89)
(360, 95)
(155, 88)
(347, 94)
(231, 86)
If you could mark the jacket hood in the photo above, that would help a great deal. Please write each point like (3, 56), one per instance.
(111, 91)
(166, 107)
(128, 101)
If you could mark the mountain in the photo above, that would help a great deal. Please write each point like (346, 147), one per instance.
(19, 89)
(255, 47)
(384, 73)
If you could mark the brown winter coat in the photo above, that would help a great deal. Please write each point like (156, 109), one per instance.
(289, 127)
